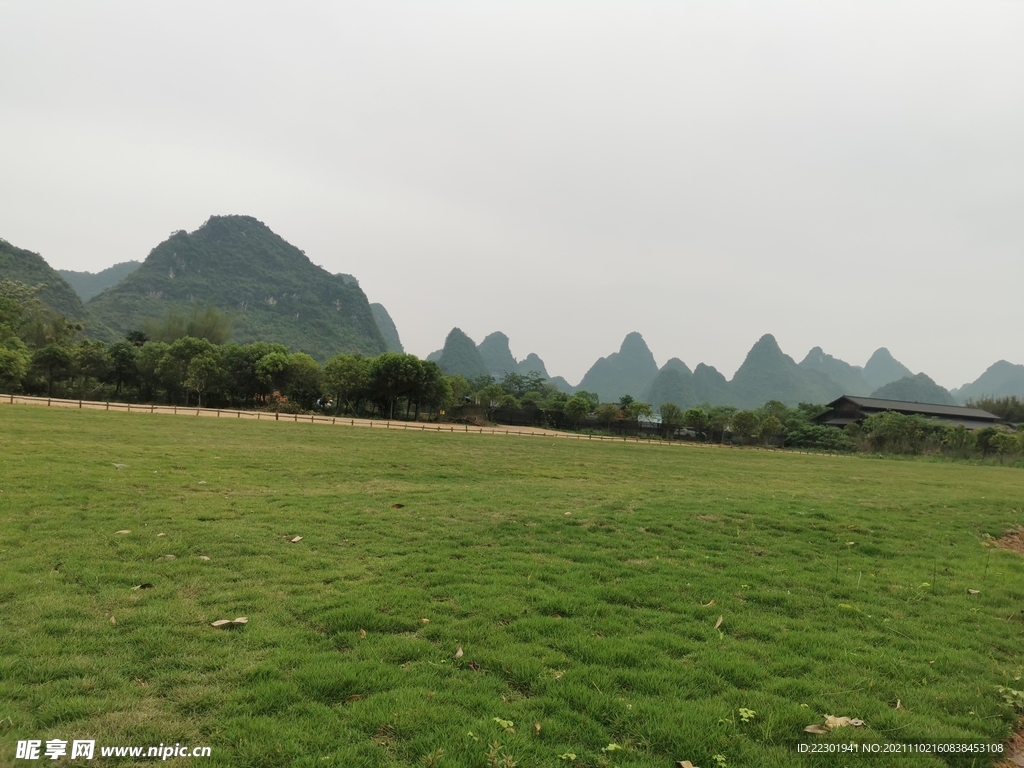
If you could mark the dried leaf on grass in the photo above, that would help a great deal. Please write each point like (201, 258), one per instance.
(398, 506)
(899, 706)
(169, 557)
(353, 697)
(121, 532)
(424, 621)
(536, 729)
(296, 540)
(685, 764)
(834, 722)
(708, 605)
(202, 557)
(147, 585)
(719, 622)
(113, 620)
(362, 634)
(458, 652)
(973, 591)
(160, 534)
(227, 623)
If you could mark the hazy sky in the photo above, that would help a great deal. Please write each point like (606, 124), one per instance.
(842, 174)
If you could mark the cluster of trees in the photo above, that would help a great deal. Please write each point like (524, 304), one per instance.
(891, 432)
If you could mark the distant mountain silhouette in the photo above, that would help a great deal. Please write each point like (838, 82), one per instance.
(626, 372)
(849, 377)
(268, 286)
(883, 368)
(710, 386)
(387, 328)
(672, 384)
(88, 284)
(531, 363)
(30, 268)
(915, 389)
(497, 356)
(769, 374)
(1001, 379)
(460, 356)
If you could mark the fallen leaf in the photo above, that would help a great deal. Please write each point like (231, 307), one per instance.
(353, 697)
(685, 764)
(973, 591)
(424, 621)
(120, 466)
(220, 623)
(474, 665)
(241, 620)
(899, 706)
(147, 585)
(558, 616)
(841, 722)
(820, 729)
(719, 622)
(160, 534)
(121, 532)
(536, 729)
(113, 620)
(362, 634)
(850, 543)
(458, 652)
(202, 482)
(708, 605)
(296, 540)
(202, 557)
(398, 506)
(169, 557)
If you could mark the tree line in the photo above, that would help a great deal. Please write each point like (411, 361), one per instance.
(187, 360)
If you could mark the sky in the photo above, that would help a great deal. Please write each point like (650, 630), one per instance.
(847, 175)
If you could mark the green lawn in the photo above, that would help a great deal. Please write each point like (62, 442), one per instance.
(575, 576)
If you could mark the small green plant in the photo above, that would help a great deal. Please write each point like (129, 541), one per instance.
(1012, 697)
(567, 756)
(746, 715)
(720, 761)
(506, 725)
(433, 758)
(611, 748)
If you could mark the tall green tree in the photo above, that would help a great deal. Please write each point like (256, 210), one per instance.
(346, 378)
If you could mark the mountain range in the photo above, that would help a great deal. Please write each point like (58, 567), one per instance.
(767, 373)
(273, 292)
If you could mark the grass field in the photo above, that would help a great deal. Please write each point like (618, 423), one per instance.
(582, 581)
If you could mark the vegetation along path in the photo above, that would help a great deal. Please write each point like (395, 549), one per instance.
(612, 606)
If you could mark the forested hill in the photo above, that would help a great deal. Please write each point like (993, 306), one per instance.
(88, 284)
(30, 268)
(270, 289)
(387, 328)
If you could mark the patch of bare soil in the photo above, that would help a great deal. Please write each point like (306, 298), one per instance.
(1012, 540)
(1014, 749)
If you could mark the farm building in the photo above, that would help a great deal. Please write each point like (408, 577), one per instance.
(853, 410)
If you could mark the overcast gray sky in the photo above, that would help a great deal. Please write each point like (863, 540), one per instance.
(841, 174)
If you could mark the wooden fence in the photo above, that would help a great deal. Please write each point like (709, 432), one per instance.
(224, 413)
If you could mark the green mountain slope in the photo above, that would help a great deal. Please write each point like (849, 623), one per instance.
(849, 377)
(883, 368)
(769, 374)
(672, 384)
(270, 288)
(88, 284)
(626, 372)
(1001, 379)
(496, 355)
(30, 268)
(915, 389)
(387, 328)
(533, 364)
(461, 356)
(710, 386)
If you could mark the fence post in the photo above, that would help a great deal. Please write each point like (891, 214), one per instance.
(129, 407)
(218, 413)
(108, 406)
(296, 418)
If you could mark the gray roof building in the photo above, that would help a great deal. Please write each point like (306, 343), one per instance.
(849, 409)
